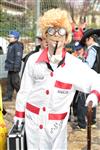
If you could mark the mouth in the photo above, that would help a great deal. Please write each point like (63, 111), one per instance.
(55, 38)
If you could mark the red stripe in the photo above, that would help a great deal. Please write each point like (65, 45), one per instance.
(20, 114)
(97, 94)
(57, 116)
(32, 108)
(62, 85)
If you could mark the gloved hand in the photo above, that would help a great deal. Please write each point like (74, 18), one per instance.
(18, 121)
(92, 97)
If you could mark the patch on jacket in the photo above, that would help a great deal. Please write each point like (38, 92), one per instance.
(62, 85)
(19, 54)
(62, 91)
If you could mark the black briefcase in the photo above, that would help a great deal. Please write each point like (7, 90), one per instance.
(16, 139)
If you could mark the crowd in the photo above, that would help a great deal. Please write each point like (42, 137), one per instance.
(53, 80)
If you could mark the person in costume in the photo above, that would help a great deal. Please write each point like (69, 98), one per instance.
(78, 31)
(49, 83)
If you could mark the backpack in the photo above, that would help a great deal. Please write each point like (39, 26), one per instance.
(96, 65)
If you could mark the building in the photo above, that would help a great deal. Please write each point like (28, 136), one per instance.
(12, 8)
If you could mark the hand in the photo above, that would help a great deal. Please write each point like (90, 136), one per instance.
(18, 121)
(92, 98)
(90, 106)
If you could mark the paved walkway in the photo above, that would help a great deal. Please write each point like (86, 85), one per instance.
(77, 140)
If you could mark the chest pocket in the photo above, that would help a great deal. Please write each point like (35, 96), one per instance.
(62, 89)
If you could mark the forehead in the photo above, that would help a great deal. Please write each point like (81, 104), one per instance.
(56, 28)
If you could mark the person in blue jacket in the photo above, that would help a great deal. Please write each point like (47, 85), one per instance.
(13, 64)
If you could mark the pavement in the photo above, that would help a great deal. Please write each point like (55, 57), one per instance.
(77, 140)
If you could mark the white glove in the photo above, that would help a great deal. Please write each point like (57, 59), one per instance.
(92, 97)
(19, 120)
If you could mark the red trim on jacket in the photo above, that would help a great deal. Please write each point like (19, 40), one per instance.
(57, 116)
(44, 55)
(62, 85)
(96, 93)
(51, 116)
(32, 108)
(20, 114)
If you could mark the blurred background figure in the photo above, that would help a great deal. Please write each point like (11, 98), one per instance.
(92, 59)
(13, 64)
(78, 31)
(79, 51)
(40, 44)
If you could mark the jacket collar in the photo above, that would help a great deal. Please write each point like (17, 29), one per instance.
(44, 56)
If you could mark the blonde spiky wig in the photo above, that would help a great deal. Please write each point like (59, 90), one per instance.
(55, 18)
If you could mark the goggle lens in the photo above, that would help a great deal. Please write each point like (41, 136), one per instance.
(52, 31)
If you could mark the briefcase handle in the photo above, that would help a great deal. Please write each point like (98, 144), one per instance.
(16, 128)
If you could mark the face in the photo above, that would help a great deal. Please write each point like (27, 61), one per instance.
(56, 35)
(12, 39)
(88, 41)
(81, 51)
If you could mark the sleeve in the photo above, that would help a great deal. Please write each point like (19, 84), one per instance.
(90, 60)
(88, 81)
(18, 57)
(83, 78)
(27, 83)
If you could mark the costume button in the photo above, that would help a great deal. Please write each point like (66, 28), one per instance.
(47, 92)
(44, 108)
(51, 74)
(41, 126)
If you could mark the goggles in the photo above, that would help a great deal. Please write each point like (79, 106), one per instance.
(52, 31)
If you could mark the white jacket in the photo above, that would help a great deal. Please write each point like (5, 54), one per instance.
(45, 96)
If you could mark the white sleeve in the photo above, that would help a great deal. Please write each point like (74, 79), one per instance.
(27, 83)
(92, 97)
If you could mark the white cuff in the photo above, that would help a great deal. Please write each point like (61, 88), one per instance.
(92, 97)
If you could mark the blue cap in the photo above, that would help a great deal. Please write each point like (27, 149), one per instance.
(77, 46)
(14, 34)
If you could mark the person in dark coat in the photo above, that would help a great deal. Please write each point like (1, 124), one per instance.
(13, 64)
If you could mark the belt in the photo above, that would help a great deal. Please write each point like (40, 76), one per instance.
(51, 116)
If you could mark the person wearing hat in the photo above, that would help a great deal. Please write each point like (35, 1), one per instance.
(49, 83)
(13, 64)
(93, 61)
(79, 51)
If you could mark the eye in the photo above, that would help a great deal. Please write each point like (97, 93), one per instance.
(51, 31)
(62, 31)
(76, 29)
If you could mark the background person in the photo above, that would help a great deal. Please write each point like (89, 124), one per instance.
(13, 64)
(41, 44)
(92, 48)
